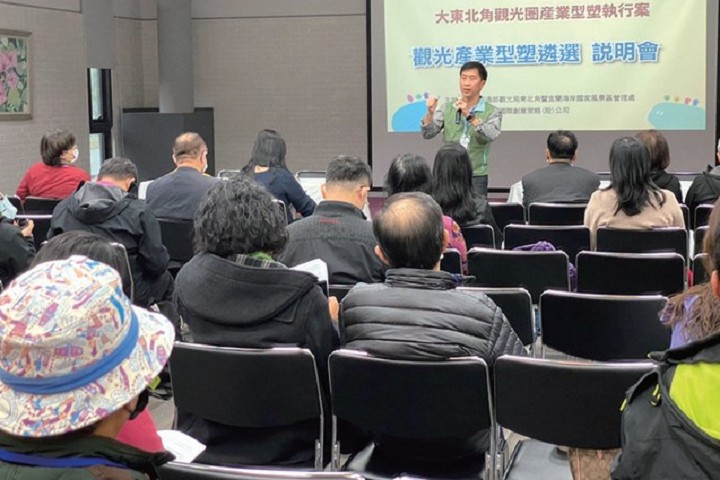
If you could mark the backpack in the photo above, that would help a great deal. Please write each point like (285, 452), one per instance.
(659, 440)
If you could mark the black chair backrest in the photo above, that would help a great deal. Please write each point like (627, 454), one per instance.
(245, 387)
(194, 471)
(556, 213)
(657, 240)
(16, 202)
(699, 239)
(516, 305)
(700, 274)
(686, 215)
(507, 213)
(630, 273)
(339, 291)
(570, 239)
(41, 228)
(227, 173)
(479, 236)
(564, 403)
(533, 271)
(451, 261)
(603, 327)
(702, 214)
(177, 236)
(410, 399)
(40, 206)
(311, 174)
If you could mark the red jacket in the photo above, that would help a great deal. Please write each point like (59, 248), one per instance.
(45, 181)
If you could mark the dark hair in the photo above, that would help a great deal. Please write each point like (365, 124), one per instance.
(657, 148)
(475, 66)
(630, 177)
(269, 150)
(348, 168)
(409, 230)
(119, 168)
(239, 216)
(53, 144)
(700, 318)
(452, 183)
(408, 173)
(90, 245)
(189, 144)
(562, 145)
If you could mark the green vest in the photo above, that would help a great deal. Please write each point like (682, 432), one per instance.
(478, 150)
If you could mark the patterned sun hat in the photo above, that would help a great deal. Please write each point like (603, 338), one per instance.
(73, 349)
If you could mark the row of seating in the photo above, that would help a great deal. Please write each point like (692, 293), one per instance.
(553, 402)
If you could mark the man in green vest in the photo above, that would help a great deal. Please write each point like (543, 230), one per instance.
(470, 120)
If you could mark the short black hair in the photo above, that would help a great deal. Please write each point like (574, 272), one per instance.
(239, 216)
(475, 66)
(53, 144)
(408, 173)
(562, 144)
(120, 168)
(348, 168)
(409, 230)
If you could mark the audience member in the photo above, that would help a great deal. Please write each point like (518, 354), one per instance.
(55, 176)
(452, 189)
(418, 315)
(234, 293)
(659, 152)
(74, 368)
(177, 194)
(411, 173)
(561, 180)
(338, 232)
(267, 166)
(17, 247)
(705, 188)
(141, 431)
(631, 200)
(105, 207)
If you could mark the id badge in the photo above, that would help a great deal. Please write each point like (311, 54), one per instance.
(465, 140)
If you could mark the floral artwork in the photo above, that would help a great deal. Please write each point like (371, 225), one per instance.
(14, 75)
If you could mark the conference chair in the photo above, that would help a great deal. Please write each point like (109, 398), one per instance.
(253, 388)
(699, 239)
(479, 236)
(656, 240)
(410, 401)
(16, 202)
(195, 471)
(570, 239)
(451, 261)
(559, 403)
(177, 238)
(281, 207)
(41, 228)
(702, 214)
(507, 213)
(700, 273)
(556, 213)
(603, 327)
(227, 173)
(533, 271)
(40, 205)
(339, 291)
(516, 305)
(686, 216)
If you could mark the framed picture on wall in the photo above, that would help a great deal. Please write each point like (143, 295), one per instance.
(15, 87)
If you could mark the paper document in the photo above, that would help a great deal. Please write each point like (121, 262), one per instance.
(184, 447)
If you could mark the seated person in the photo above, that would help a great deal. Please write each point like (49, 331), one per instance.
(705, 188)
(107, 208)
(417, 314)
(267, 166)
(75, 368)
(659, 153)
(55, 176)
(337, 232)
(17, 247)
(235, 293)
(631, 200)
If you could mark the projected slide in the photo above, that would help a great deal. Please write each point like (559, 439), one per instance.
(572, 64)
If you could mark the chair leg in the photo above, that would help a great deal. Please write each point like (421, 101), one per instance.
(335, 457)
(319, 456)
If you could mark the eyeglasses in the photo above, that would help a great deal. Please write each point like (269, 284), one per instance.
(141, 405)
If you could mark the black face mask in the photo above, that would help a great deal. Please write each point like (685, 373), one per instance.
(142, 403)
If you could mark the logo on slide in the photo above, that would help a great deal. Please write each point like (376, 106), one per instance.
(679, 114)
(407, 118)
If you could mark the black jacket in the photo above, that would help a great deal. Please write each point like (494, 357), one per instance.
(228, 304)
(16, 251)
(669, 182)
(120, 217)
(705, 188)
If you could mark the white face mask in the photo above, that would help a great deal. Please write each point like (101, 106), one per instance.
(75, 157)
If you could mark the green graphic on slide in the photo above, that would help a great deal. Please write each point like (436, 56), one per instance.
(677, 116)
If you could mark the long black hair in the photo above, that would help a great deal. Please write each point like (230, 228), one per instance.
(630, 177)
(452, 183)
(269, 150)
(408, 173)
